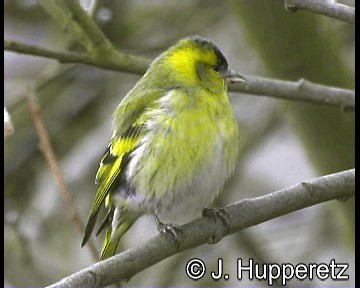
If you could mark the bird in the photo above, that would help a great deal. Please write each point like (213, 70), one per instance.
(174, 143)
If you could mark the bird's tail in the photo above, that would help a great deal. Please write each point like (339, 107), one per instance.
(112, 238)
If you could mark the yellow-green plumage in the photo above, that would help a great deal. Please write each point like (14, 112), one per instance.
(174, 143)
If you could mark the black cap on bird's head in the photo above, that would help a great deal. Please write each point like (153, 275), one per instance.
(221, 66)
(221, 63)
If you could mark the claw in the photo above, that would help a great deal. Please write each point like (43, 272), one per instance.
(217, 213)
(170, 231)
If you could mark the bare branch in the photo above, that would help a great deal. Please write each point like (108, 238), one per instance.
(61, 14)
(52, 162)
(100, 43)
(327, 8)
(302, 90)
(70, 14)
(242, 215)
(135, 64)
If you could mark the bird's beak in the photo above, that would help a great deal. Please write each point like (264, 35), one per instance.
(232, 77)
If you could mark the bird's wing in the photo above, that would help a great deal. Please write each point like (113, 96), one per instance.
(128, 129)
(111, 165)
(133, 105)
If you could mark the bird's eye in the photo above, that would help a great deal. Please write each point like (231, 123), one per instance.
(217, 68)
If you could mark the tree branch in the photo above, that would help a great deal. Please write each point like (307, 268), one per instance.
(302, 90)
(70, 14)
(333, 10)
(100, 43)
(135, 64)
(61, 14)
(243, 214)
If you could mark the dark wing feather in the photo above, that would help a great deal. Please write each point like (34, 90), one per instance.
(110, 169)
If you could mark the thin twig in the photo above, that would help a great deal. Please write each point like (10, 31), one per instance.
(333, 10)
(302, 90)
(47, 150)
(242, 215)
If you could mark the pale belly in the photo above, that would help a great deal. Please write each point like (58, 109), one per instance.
(183, 202)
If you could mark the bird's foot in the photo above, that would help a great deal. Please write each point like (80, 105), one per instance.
(217, 213)
(170, 231)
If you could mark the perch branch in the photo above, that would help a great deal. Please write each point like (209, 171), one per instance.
(243, 214)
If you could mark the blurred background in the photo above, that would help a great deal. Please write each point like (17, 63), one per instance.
(282, 143)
